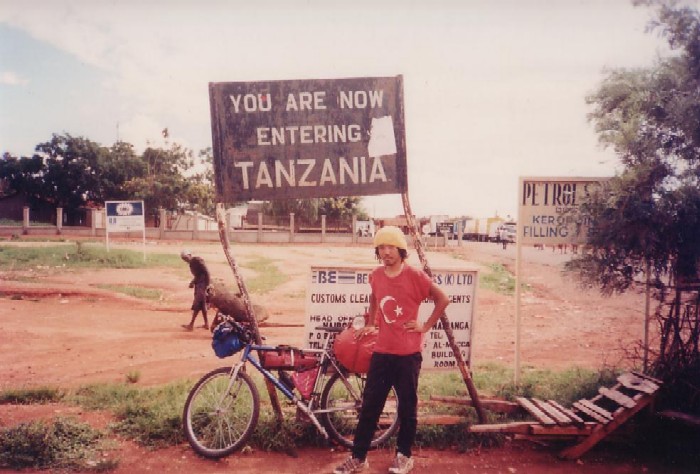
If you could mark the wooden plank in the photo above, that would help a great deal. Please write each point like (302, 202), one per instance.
(617, 397)
(553, 412)
(592, 413)
(442, 419)
(570, 430)
(600, 431)
(536, 412)
(648, 377)
(517, 427)
(577, 420)
(600, 410)
(499, 406)
(637, 383)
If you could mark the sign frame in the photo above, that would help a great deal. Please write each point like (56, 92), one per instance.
(308, 138)
(125, 216)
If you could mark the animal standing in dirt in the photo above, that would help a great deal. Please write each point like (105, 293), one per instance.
(200, 282)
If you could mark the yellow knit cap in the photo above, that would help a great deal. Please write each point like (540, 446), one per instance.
(390, 235)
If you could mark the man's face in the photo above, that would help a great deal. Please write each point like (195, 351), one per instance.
(389, 255)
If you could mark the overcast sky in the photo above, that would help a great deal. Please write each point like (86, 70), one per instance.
(493, 89)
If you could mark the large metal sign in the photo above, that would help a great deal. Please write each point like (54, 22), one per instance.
(547, 209)
(335, 295)
(308, 138)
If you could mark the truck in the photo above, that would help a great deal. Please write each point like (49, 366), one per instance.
(482, 229)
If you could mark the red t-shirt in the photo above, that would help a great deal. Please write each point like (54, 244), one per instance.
(398, 299)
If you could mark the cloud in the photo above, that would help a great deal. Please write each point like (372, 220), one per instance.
(10, 78)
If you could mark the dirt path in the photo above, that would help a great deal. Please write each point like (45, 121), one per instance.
(59, 328)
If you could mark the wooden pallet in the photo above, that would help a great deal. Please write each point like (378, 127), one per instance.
(588, 421)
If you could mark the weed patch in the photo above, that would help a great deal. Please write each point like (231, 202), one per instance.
(64, 443)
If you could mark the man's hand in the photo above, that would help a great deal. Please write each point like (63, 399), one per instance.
(415, 326)
(191, 284)
(360, 333)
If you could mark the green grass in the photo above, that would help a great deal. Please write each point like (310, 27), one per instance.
(151, 416)
(498, 279)
(28, 396)
(80, 255)
(135, 291)
(267, 277)
(62, 444)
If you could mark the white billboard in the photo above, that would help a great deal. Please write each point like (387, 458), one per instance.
(547, 209)
(125, 216)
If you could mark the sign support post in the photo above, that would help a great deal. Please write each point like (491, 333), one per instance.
(221, 221)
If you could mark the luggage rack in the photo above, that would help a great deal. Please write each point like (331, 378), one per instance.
(587, 421)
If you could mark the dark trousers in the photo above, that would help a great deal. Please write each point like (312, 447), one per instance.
(386, 371)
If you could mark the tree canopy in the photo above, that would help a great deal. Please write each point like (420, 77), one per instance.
(651, 118)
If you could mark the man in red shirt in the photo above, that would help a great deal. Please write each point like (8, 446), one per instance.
(397, 292)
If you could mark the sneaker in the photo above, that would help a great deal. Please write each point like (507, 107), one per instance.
(187, 327)
(351, 465)
(401, 465)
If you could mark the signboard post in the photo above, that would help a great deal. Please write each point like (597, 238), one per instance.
(547, 216)
(125, 216)
(335, 295)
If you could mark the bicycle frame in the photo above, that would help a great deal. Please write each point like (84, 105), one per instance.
(309, 409)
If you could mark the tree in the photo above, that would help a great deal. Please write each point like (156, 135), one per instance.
(649, 218)
(163, 184)
(69, 178)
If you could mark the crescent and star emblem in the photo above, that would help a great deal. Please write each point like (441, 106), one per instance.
(390, 309)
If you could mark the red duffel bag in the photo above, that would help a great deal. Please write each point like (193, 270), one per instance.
(354, 353)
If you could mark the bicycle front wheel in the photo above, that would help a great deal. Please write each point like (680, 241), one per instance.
(221, 413)
(341, 401)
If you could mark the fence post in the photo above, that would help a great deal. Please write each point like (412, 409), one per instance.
(260, 226)
(291, 227)
(162, 223)
(352, 229)
(323, 228)
(59, 220)
(93, 222)
(195, 231)
(25, 220)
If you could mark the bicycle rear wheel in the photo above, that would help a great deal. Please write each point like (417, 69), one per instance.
(342, 397)
(220, 413)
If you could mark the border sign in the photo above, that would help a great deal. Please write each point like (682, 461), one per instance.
(335, 295)
(308, 138)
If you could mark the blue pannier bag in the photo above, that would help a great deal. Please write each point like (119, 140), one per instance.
(225, 340)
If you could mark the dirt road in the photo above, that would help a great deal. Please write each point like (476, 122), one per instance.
(59, 328)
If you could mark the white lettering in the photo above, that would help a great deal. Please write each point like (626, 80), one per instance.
(263, 176)
(301, 172)
(245, 166)
(308, 134)
(252, 102)
(309, 166)
(360, 99)
(377, 173)
(327, 174)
